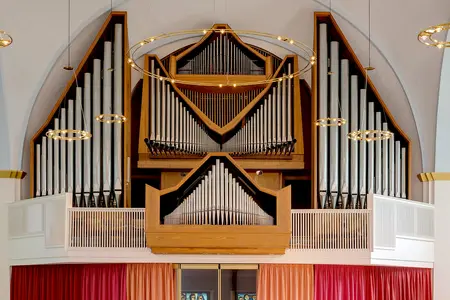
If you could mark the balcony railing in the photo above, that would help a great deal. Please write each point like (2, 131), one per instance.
(327, 229)
(378, 227)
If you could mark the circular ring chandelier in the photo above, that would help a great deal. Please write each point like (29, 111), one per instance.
(370, 135)
(111, 118)
(426, 36)
(330, 122)
(5, 39)
(63, 135)
(304, 49)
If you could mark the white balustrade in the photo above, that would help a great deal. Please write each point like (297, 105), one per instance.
(331, 229)
(106, 228)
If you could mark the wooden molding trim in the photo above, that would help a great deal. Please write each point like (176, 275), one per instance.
(434, 176)
(16, 174)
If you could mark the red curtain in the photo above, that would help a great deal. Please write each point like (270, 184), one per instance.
(69, 282)
(49, 282)
(371, 283)
(104, 282)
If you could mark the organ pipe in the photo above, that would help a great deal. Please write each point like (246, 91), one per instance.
(89, 169)
(334, 107)
(370, 150)
(354, 145)
(344, 161)
(323, 113)
(378, 161)
(218, 199)
(362, 149)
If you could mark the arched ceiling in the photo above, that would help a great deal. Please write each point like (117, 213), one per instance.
(407, 74)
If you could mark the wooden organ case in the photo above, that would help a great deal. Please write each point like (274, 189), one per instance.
(251, 134)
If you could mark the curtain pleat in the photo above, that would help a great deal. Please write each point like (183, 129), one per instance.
(104, 282)
(371, 283)
(150, 282)
(49, 282)
(285, 282)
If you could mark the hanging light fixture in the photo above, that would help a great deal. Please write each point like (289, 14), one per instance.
(426, 36)
(70, 134)
(5, 39)
(110, 118)
(369, 134)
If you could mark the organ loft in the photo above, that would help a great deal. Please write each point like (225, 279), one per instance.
(219, 135)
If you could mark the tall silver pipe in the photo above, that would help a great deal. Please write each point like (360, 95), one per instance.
(392, 166)
(385, 163)
(87, 122)
(353, 144)
(378, 165)
(152, 102)
(107, 109)
(334, 112)
(63, 153)
(70, 160)
(344, 166)
(362, 148)
(96, 139)
(323, 113)
(397, 170)
(403, 195)
(118, 100)
(370, 151)
(49, 166)
(38, 170)
(289, 105)
(78, 169)
(44, 166)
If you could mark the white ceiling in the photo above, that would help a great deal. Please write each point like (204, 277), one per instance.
(407, 74)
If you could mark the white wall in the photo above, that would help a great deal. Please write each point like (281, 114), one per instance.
(443, 120)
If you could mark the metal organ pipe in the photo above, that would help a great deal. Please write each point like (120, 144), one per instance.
(353, 145)
(78, 166)
(344, 161)
(44, 166)
(70, 146)
(392, 166)
(323, 113)
(403, 183)
(38, 170)
(96, 140)
(362, 149)
(87, 144)
(385, 163)
(49, 166)
(334, 108)
(63, 153)
(397, 170)
(378, 154)
(370, 152)
(118, 100)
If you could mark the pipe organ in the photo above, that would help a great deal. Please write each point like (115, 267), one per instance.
(348, 170)
(218, 199)
(221, 54)
(217, 193)
(90, 169)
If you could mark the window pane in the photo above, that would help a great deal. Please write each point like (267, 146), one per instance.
(199, 284)
(239, 284)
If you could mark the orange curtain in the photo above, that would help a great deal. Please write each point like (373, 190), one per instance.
(278, 282)
(150, 282)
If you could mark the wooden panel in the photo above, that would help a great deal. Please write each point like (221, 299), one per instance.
(144, 124)
(268, 180)
(170, 179)
(235, 251)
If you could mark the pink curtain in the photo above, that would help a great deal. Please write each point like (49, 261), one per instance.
(151, 282)
(371, 283)
(104, 282)
(285, 282)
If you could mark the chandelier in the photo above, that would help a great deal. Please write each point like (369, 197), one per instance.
(303, 49)
(5, 39)
(426, 36)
